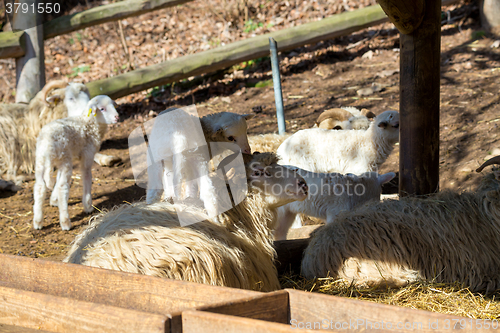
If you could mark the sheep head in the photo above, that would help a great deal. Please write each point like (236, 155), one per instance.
(388, 122)
(333, 119)
(228, 127)
(103, 108)
(276, 182)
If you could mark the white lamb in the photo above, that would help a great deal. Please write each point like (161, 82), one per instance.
(329, 194)
(355, 151)
(345, 118)
(180, 149)
(58, 143)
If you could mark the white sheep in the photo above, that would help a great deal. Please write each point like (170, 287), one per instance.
(235, 250)
(445, 237)
(329, 194)
(21, 124)
(58, 143)
(355, 151)
(267, 142)
(180, 149)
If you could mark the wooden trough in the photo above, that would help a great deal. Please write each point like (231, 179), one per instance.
(45, 296)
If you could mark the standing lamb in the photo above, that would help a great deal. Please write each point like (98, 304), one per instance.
(21, 124)
(447, 237)
(234, 250)
(179, 151)
(329, 194)
(355, 151)
(58, 143)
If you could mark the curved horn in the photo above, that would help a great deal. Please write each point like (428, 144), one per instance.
(335, 114)
(51, 86)
(493, 160)
(368, 114)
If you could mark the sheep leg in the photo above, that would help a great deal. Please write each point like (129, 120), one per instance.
(55, 194)
(63, 189)
(207, 192)
(155, 189)
(285, 220)
(39, 197)
(86, 170)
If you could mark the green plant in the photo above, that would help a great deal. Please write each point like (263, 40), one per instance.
(80, 69)
(478, 34)
(250, 25)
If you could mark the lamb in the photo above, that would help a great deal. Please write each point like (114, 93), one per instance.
(329, 194)
(345, 118)
(355, 151)
(447, 237)
(181, 153)
(21, 125)
(58, 143)
(234, 250)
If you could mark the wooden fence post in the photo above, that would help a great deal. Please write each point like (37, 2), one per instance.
(30, 68)
(419, 23)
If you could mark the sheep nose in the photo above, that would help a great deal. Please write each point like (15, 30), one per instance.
(247, 151)
(117, 118)
(302, 185)
(396, 125)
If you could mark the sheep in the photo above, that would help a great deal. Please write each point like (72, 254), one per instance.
(21, 125)
(267, 142)
(177, 152)
(58, 143)
(345, 118)
(234, 250)
(329, 194)
(355, 151)
(446, 237)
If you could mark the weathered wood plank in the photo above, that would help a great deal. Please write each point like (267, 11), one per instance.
(12, 44)
(126, 290)
(234, 53)
(102, 14)
(419, 105)
(405, 15)
(204, 322)
(60, 314)
(334, 313)
(290, 254)
(30, 68)
(18, 329)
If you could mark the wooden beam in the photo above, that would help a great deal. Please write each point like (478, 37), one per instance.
(12, 44)
(234, 53)
(126, 290)
(419, 105)
(60, 314)
(406, 15)
(30, 68)
(103, 14)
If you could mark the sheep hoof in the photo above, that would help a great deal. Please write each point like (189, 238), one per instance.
(89, 209)
(65, 226)
(37, 225)
(107, 161)
(54, 203)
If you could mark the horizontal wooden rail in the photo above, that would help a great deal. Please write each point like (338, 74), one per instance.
(234, 53)
(12, 44)
(102, 14)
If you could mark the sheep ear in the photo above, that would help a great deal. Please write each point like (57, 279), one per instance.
(92, 111)
(386, 177)
(54, 99)
(248, 116)
(383, 124)
(368, 114)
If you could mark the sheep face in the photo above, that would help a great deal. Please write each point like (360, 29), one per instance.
(388, 121)
(102, 107)
(279, 184)
(76, 98)
(233, 128)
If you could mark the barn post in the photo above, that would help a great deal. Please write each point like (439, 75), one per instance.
(419, 96)
(30, 68)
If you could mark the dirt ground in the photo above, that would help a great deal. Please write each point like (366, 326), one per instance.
(314, 78)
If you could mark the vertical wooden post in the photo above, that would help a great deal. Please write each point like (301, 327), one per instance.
(30, 69)
(419, 104)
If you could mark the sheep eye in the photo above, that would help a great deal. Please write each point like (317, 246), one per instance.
(231, 138)
(102, 109)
